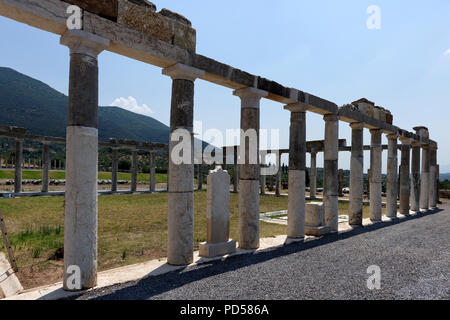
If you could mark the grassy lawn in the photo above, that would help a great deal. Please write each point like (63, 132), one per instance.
(132, 229)
(61, 175)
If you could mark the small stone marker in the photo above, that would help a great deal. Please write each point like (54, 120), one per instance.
(9, 284)
(315, 220)
(218, 216)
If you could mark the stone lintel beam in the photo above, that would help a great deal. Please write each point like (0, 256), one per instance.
(351, 114)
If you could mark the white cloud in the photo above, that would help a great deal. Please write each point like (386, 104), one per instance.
(131, 104)
(447, 52)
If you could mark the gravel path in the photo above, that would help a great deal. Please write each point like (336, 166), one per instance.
(413, 254)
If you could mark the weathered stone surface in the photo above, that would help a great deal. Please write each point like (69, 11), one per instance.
(249, 214)
(356, 176)
(296, 204)
(104, 8)
(9, 284)
(211, 250)
(145, 3)
(392, 178)
(315, 220)
(166, 25)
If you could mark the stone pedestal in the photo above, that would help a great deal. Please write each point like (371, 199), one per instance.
(415, 177)
(355, 215)
(375, 175)
(392, 177)
(218, 216)
(45, 166)
(80, 225)
(181, 175)
(404, 175)
(249, 170)
(18, 166)
(315, 220)
(330, 171)
(297, 171)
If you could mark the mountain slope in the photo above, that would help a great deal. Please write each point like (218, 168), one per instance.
(29, 103)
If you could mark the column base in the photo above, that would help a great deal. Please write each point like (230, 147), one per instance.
(211, 250)
(317, 231)
(289, 241)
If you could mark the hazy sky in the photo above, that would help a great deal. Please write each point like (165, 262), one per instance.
(322, 47)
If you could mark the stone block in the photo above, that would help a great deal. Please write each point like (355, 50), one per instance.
(315, 214)
(9, 284)
(104, 8)
(317, 231)
(167, 26)
(211, 250)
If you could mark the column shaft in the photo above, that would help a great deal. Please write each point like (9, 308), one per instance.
(313, 176)
(355, 215)
(45, 166)
(415, 177)
(375, 175)
(331, 172)
(392, 177)
(433, 178)
(404, 176)
(425, 178)
(18, 166)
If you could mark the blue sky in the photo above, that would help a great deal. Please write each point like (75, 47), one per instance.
(322, 47)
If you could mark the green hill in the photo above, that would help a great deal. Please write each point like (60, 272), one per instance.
(29, 103)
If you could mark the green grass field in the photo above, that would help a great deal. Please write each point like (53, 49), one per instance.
(61, 175)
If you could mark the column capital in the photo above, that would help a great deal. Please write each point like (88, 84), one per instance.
(405, 140)
(83, 42)
(376, 131)
(357, 125)
(250, 92)
(416, 143)
(392, 136)
(181, 71)
(331, 117)
(297, 107)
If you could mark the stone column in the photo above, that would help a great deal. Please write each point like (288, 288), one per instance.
(425, 178)
(115, 168)
(134, 169)
(313, 176)
(81, 209)
(45, 165)
(433, 178)
(392, 177)
(297, 171)
(375, 175)
(152, 172)
(249, 170)
(355, 214)
(438, 187)
(278, 177)
(181, 175)
(404, 175)
(330, 171)
(236, 170)
(18, 166)
(415, 177)
(200, 177)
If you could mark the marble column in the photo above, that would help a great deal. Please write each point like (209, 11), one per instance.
(249, 169)
(355, 214)
(45, 165)
(134, 169)
(297, 171)
(313, 176)
(376, 151)
(199, 177)
(152, 186)
(278, 177)
(18, 166)
(330, 171)
(425, 178)
(404, 175)
(433, 178)
(392, 177)
(115, 168)
(235, 170)
(415, 176)
(181, 173)
(81, 209)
